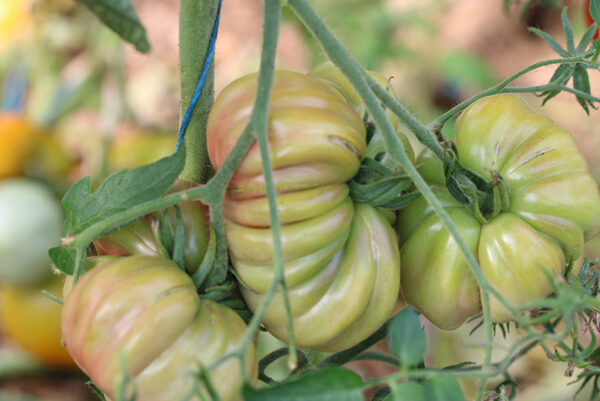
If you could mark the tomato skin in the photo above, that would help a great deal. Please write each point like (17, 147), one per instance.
(341, 262)
(315, 136)
(330, 73)
(33, 321)
(145, 311)
(554, 206)
(31, 224)
(138, 238)
(137, 148)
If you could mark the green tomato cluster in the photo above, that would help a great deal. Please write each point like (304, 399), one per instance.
(140, 318)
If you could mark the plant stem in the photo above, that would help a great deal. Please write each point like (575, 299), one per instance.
(260, 122)
(258, 125)
(196, 20)
(437, 124)
(340, 56)
(422, 133)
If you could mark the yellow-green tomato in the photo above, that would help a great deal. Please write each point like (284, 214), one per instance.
(33, 321)
(376, 149)
(140, 238)
(141, 315)
(341, 262)
(553, 206)
(30, 224)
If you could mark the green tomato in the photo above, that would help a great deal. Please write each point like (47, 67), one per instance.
(141, 315)
(554, 205)
(376, 149)
(31, 223)
(139, 238)
(341, 262)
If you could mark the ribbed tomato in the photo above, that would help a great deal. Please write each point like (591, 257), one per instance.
(340, 259)
(553, 205)
(141, 315)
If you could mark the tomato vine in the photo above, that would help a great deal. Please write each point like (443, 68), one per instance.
(568, 302)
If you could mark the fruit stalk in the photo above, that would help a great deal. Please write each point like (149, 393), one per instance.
(196, 20)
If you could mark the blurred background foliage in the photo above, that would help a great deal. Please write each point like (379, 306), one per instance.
(95, 105)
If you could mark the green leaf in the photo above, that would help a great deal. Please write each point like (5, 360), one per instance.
(595, 10)
(408, 391)
(329, 384)
(406, 337)
(63, 258)
(586, 39)
(551, 41)
(121, 191)
(581, 82)
(568, 31)
(381, 394)
(443, 388)
(120, 16)
(561, 76)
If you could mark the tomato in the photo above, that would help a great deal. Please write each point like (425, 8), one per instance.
(33, 321)
(17, 137)
(141, 315)
(31, 223)
(340, 258)
(134, 149)
(553, 206)
(139, 237)
(376, 149)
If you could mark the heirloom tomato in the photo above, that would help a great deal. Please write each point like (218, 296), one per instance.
(140, 318)
(33, 321)
(376, 149)
(341, 263)
(553, 205)
(30, 224)
(140, 238)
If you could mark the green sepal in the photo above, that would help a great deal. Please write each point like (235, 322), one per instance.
(376, 185)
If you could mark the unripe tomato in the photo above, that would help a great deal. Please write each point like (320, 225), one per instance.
(340, 259)
(134, 149)
(141, 315)
(17, 137)
(33, 321)
(139, 238)
(30, 224)
(376, 149)
(554, 205)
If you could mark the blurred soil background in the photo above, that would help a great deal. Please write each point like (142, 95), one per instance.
(112, 107)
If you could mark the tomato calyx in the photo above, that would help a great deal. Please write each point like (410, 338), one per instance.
(483, 198)
(377, 185)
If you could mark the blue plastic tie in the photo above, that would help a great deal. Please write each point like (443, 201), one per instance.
(207, 61)
(15, 86)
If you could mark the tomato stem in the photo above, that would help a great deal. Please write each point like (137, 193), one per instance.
(502, 87)
(195, 27)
